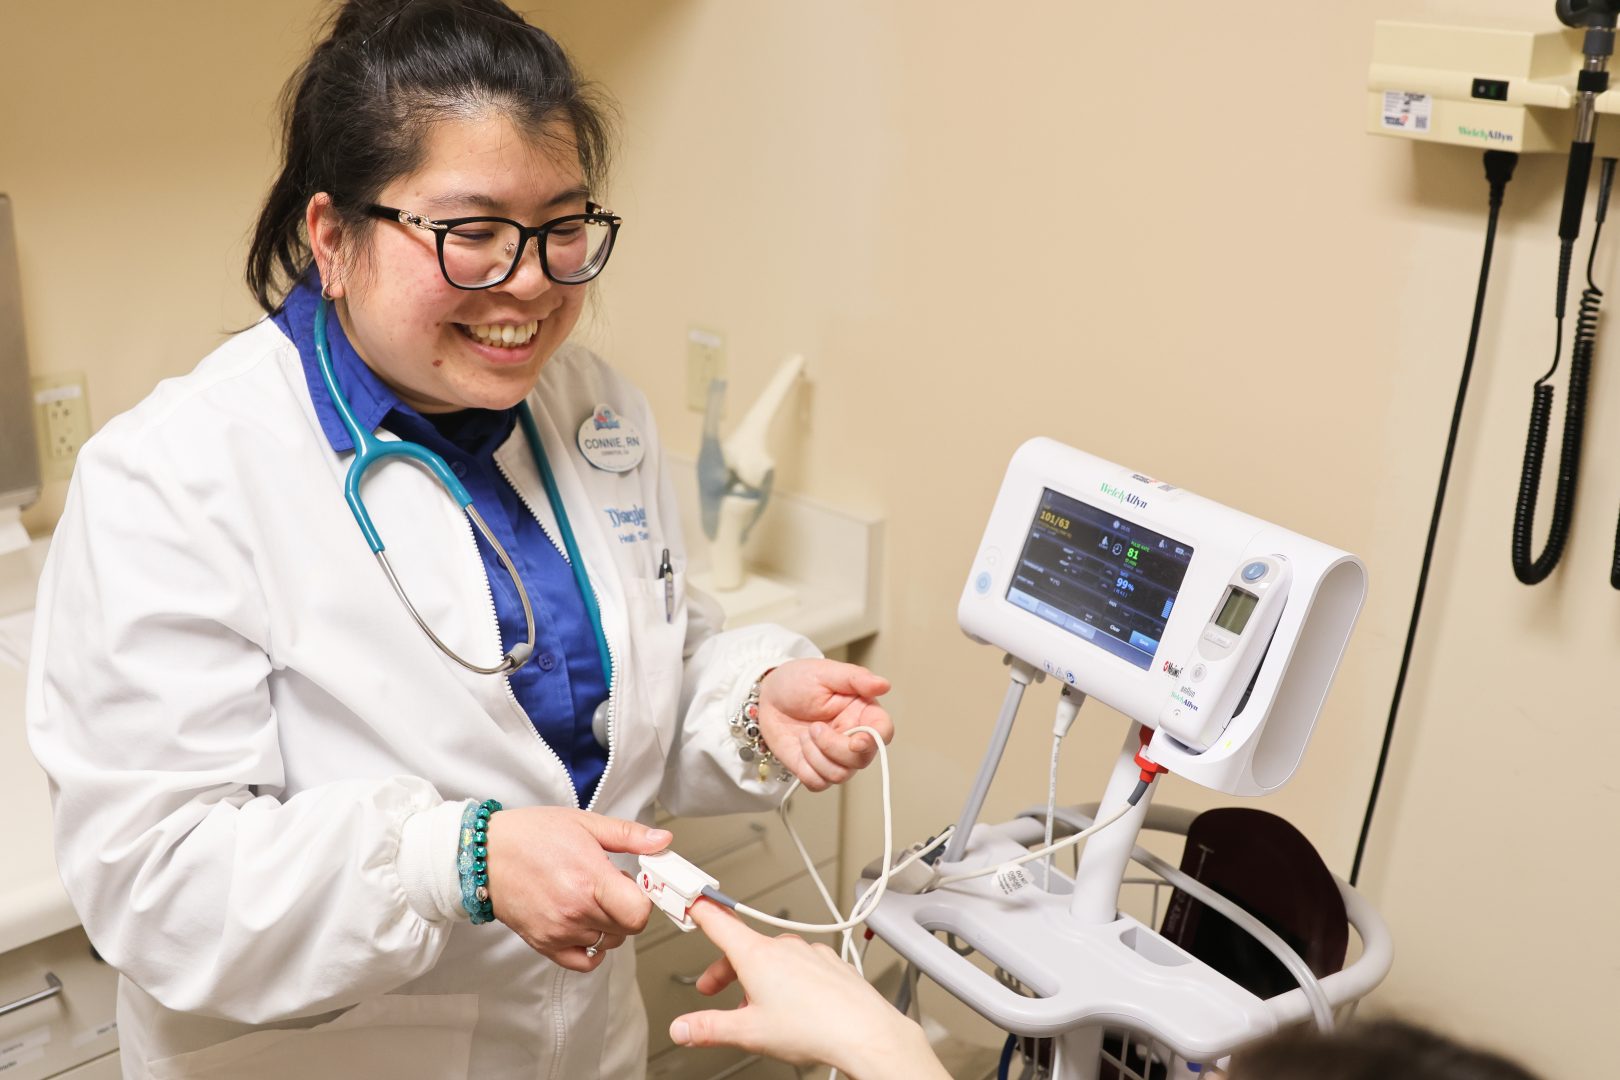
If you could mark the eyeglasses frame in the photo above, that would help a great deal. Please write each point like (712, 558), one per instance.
(441, 228)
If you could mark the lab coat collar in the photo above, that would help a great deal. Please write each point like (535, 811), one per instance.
(368, 397)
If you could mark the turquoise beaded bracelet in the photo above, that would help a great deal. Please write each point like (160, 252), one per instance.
(472, 861)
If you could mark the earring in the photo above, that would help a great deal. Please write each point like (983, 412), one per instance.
(327, 294)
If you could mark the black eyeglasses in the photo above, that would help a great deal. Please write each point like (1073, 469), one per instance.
(482, 252)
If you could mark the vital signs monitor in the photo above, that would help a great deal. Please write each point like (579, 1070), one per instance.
(1216, 634)
(1190, 617)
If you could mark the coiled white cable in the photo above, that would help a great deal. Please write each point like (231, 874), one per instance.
(869, 900)
(815, 875)
(1068, 841)
(1051, 809)
(1068, 707)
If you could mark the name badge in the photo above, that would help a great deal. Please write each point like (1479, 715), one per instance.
(609, 441)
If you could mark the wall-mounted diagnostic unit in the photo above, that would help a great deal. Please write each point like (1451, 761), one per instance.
(1489, 87)
(1507, 91)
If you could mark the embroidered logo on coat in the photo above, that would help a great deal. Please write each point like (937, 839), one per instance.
(631, 523)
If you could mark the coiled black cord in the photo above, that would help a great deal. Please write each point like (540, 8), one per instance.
(1614, 568)
(1499, 165)
(1530, 570)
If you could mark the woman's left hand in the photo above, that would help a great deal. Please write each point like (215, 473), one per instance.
(806, 710)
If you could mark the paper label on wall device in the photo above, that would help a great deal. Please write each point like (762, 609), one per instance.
(1408, 112)
(609, 441)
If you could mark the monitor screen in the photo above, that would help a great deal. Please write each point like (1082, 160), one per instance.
(1100, 576)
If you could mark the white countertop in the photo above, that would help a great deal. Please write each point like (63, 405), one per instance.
(33, 904)
(813, 568)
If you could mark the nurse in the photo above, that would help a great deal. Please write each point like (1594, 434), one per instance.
(292, 781)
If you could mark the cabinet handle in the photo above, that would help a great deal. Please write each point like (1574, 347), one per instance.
(53, 986)
(758, 837)
(691, 980)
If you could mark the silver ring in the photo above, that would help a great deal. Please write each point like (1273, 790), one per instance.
(590, 950)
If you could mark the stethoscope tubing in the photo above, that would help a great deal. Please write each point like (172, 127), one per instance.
(370, 450)
(570, 546)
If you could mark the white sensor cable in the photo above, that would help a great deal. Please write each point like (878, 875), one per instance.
(1069, 702)
(870, 899)
(1068, 841)
(1051, 811)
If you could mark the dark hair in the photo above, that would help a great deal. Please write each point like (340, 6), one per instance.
(1374, 1050)
(356, 115)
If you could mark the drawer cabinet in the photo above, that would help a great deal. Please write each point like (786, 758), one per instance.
(103, 1068)
(72, 1026)
(714, 1063)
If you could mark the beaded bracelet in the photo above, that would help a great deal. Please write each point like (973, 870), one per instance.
(751, 740)
(472, 861)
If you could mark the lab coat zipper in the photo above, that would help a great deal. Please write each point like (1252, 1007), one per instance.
(613, 689)
(559, 1026)
(511, 695)
(613, 660)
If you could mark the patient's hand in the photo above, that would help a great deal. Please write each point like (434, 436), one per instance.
(804, 1005)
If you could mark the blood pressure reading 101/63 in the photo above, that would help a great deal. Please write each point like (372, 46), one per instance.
(1100, 576)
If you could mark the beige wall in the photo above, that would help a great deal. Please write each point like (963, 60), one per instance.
(136, 141)
(981, 224)
(1070, 220)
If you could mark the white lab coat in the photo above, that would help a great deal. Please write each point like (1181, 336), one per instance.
(258, 759)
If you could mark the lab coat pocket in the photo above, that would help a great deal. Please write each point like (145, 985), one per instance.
(400, 1036)
(657, 638)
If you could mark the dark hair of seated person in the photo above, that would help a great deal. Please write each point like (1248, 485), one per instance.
(1375, 1050)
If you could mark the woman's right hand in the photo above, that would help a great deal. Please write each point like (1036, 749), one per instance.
(550, 880)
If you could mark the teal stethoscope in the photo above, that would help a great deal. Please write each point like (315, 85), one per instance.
(369, 450)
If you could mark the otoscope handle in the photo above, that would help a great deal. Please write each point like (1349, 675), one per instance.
(1575, 185)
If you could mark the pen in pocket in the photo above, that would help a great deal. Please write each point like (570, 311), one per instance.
(667, 572)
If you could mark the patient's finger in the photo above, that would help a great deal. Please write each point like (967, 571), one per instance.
(716, 977)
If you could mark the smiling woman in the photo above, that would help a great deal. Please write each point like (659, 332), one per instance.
(284, 797)
(451, 313)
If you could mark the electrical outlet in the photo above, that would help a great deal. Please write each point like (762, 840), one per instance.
(705, 362)
(61, 422)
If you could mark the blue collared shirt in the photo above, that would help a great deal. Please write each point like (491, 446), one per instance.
(563, 683)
